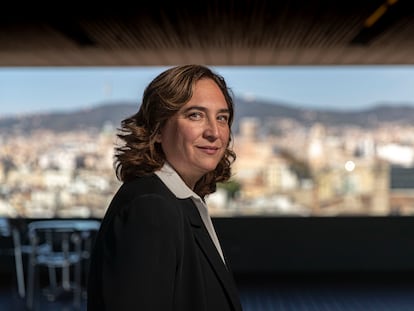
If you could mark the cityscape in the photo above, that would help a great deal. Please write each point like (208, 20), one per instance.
(283, 168)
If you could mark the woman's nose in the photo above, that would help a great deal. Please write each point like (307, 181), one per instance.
(212, 130)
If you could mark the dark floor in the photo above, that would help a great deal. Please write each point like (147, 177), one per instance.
(330, 293)
(281, 293)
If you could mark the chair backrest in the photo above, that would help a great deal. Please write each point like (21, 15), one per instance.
(5, 229)
(6, 247)
(54, 242)
(63, 235)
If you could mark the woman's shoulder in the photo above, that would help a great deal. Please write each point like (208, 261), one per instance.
(143, 185)
(142, 189)
(143, 198)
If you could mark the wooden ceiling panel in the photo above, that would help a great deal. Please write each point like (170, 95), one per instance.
(285, 32)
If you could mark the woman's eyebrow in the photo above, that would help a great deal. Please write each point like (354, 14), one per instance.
(202, 108)
(195, 108)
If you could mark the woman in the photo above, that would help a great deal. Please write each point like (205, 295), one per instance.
(157, 248)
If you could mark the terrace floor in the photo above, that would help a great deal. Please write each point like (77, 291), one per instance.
(267, 293)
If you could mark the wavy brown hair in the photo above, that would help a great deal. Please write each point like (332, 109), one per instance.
(140, 154)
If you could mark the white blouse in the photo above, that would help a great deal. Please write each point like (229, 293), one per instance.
(173, 181)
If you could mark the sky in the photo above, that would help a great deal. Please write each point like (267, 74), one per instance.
(36, 89)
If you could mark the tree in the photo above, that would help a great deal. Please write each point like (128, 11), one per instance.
(232, 187)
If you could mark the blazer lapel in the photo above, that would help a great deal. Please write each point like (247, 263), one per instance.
(207, 246)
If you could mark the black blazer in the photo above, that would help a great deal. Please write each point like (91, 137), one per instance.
(153, 252)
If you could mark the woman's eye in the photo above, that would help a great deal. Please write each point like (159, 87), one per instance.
(223, 118)
(195, 115)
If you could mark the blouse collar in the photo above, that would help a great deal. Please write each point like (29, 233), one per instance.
(174, 182)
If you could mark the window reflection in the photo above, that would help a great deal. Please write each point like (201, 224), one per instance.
(292, 161)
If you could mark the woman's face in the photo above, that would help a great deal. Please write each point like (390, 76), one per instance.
(195, 138)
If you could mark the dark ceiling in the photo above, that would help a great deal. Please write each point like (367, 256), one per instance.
(286, 32)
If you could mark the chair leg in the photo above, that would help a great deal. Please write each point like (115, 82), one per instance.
(66, 278)
(78, 286)
(18, 258)
(52, 278)
(30, 285)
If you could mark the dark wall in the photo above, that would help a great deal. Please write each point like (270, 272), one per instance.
(257, 245)
(338, 244)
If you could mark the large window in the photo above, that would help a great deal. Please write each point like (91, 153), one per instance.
(310, 141)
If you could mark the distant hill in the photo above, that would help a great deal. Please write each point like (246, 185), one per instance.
(93, 117)
(402, 113)
(114, 112)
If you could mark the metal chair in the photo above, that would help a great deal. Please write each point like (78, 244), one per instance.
(69, 242)
(15, 228)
